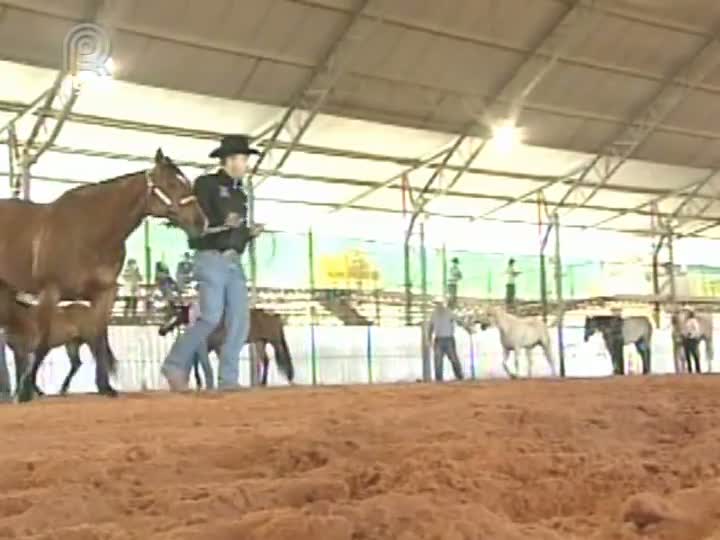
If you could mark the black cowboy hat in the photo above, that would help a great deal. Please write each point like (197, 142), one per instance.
(231, 145)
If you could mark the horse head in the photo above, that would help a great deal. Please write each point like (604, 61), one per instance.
(171, 196)
(486, 318)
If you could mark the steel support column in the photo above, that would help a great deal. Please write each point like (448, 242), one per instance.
(543, 237)
(559, 293)
(24, 153)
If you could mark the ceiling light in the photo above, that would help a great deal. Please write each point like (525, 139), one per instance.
(506, 137)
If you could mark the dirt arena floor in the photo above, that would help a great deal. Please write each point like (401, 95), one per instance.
(617, 459)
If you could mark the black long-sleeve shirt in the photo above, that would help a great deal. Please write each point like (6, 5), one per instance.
(218, 195)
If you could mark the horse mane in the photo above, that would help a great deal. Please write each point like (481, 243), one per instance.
(93, 186)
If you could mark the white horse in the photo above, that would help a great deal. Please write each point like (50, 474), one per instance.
(517, 333)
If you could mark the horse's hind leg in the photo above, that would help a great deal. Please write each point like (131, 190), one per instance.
(40, 355)
(547, 351)
(23, 384)
(265, 362)
(73, 352)
(643, 350)
(528, 356)
(647, 365)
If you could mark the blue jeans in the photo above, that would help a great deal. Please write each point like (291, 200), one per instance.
(5, 389)
(222, 291)
(203, 360)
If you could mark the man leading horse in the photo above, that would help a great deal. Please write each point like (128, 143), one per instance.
(222, 287)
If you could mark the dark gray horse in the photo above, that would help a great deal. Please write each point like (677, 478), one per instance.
(618, 332)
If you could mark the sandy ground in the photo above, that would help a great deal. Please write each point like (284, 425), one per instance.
(611, 459)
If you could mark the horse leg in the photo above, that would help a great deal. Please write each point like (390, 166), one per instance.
(506, 356)
(40, 355)
(100, 350)
(641, 346)
(196, 371)
(547, 351)
(73, 351)
(528, 357)
(23, 386)
(102, 305)
(516, 359)
(264, 360)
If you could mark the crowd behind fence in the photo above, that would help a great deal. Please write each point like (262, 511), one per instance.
(321, 261)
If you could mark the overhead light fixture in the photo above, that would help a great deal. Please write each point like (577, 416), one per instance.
(506, 137)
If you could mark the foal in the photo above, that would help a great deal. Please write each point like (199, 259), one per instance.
(72, 325)
(265, 328)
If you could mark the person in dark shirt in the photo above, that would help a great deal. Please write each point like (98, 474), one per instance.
(222, 287)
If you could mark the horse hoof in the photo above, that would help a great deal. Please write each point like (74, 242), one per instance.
(110, 392)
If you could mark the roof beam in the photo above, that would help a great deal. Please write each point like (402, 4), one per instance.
(309, 98)
(360, 183)
(649, 116)
(697, 211)
(15, 107)
(371, 208)
(536, 64)
(692, 190)
(692, 204)
(625, 143)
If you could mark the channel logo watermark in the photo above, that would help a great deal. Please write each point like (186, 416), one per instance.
(86, 51)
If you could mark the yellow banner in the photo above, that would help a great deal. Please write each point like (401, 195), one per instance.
(352, 269)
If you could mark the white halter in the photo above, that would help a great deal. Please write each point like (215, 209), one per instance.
(153, 189)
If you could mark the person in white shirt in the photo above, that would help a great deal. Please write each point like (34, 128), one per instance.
(691, 341)
(510, 290)
(454, 277)
(442, 327)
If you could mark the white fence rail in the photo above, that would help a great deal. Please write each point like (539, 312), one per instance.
(352, 355)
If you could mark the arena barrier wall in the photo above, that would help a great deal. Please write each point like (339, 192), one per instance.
(354, 355)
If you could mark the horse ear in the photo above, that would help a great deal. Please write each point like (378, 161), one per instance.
(159, 156)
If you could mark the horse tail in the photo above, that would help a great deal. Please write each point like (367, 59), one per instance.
(283, 357)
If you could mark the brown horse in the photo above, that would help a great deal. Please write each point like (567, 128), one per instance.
(73, 325)
(74, 247)
(265, 328)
